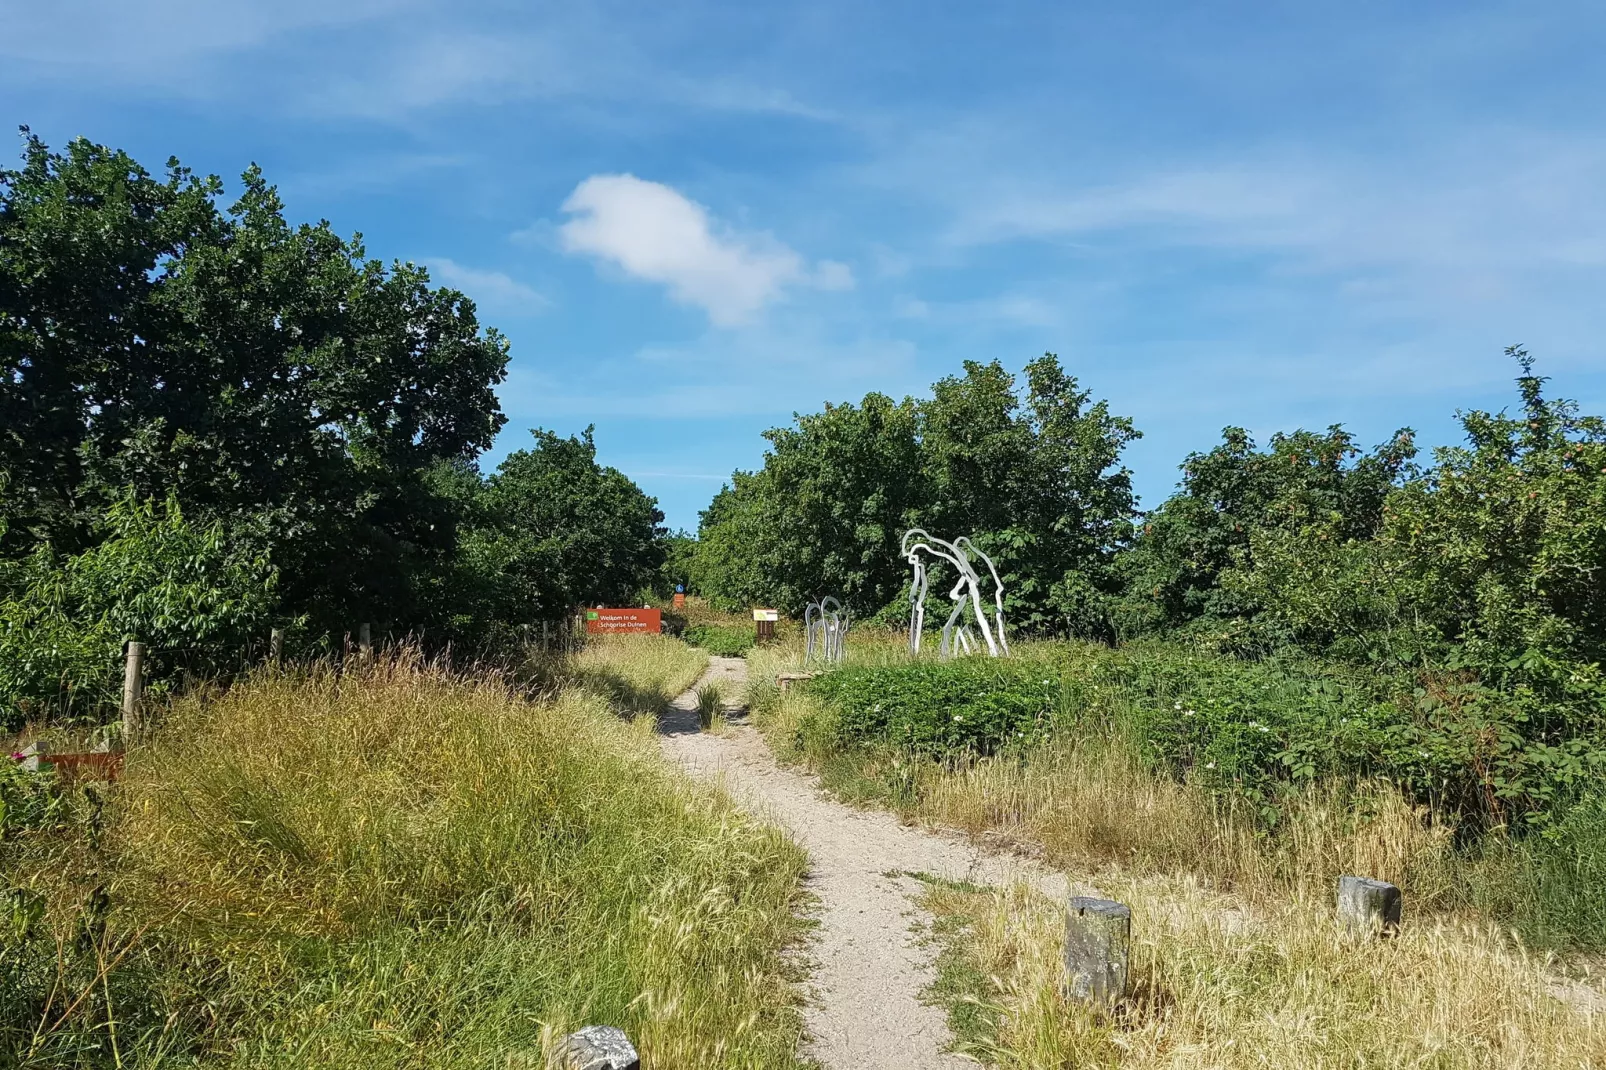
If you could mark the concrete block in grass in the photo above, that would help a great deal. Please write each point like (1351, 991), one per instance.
(596, 1047)
(1368, 907)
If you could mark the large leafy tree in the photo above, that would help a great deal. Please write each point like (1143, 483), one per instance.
(555, 529)
(1174, 573)
(1033, 476)
(265, 374)
(1491, 558)
(825, 513)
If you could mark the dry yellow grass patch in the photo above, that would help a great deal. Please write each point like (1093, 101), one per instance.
(1210, 989)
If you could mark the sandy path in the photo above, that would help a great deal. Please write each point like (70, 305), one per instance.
(870, 965)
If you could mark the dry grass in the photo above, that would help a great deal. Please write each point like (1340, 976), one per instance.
(640, 674)
(404, 868)
(1095, 804)
(1237, 960)
(1285, 990)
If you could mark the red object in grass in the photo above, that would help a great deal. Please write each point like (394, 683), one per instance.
(89, 765)
(601, 621)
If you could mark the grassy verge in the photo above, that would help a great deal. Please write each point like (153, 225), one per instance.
(395, 868)
(728, 641)
(1213, 988)
(639, 674)
(1231, 881)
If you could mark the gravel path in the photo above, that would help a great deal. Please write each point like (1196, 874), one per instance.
(870, 965)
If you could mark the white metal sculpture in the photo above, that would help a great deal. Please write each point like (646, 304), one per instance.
(825, 629)
(957, 636)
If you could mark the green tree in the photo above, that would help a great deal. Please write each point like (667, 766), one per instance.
(200, 599)
(1174, 572)
(1032, 476)
(260, 372)
(1492, 556)
(825, 514)
(558, 530)
(1035, 479)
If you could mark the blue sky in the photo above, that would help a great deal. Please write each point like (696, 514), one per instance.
(694, 219)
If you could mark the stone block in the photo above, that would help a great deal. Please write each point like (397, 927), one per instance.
(1368, 907)
(596, 1047)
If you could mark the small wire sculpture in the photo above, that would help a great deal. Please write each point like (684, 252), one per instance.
(825, 629)
(957, 635)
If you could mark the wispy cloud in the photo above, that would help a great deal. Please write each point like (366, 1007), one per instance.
(492, 291)
(656, 233)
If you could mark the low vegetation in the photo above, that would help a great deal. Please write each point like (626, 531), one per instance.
(1212, 985)
(1100, 762)
(640, 674)
(723, 640)
(395, 867)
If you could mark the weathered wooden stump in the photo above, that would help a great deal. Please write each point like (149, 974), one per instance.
(596, 1047)
(785, 680)
(1098, 937)
(1368, 907)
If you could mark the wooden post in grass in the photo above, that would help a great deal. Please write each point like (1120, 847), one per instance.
(276, 646)
(365, 641)
(133, 681)
(1098, 937)
(1368, 907)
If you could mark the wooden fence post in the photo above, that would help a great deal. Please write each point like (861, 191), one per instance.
(276, 646)
(133, 669)
(1098, 937)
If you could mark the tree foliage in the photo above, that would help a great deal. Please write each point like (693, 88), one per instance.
(213, 420)
(1174, 573)
(1032, 475)
(152, 340)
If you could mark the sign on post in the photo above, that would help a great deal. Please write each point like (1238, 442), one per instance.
(680, 596)
(764, 623)
(602, 621)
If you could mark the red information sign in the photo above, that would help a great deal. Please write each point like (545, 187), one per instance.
(680, 600)
(624, 620)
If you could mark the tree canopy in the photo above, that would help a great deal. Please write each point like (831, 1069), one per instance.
(1032, 474)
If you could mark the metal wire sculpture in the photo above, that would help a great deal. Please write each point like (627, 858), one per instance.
(825, 629)
(957, 635)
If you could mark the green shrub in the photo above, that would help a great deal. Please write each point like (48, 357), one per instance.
(721, 640)
(195, 597)
(969, 705)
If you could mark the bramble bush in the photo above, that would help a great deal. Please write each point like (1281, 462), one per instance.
(196, 597)
(1252, 731)
(968, 706)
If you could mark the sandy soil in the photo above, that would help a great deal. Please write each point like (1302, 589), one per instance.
(870, 963)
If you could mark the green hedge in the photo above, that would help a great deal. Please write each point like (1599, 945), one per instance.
(1255, 730)
(971, 705)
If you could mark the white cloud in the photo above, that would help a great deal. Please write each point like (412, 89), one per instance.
(656, 233)
(492, 291)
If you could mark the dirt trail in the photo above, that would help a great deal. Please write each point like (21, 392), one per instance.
(869, 963)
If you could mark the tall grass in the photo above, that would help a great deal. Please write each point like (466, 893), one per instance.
(1238, 961)
(1212, 989)
(404, 868)
(640, 674)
